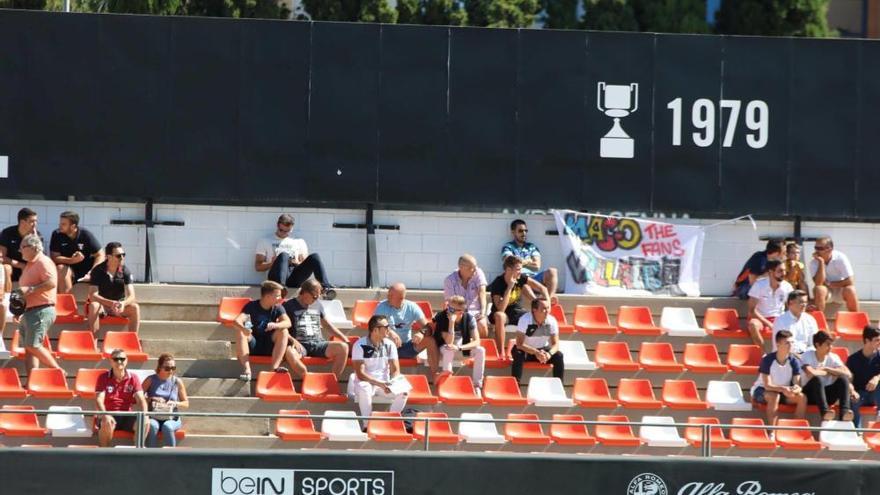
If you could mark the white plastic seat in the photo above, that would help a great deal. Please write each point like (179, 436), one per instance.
(680, 322)
(342, 430)
(4, 353)
(841, 440)
(479, 432)
(575, 355)
(142, 374)
(71, 424)
(335, 313)
(661, 436)
(726, 396)
(548, 392)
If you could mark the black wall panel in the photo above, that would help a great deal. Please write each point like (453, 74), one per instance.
(868, 135)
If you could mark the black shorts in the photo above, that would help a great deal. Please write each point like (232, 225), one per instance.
(315, 348)
(261, 346)
(123, 423)
(759, 396)
(514, 314)
(81, 270)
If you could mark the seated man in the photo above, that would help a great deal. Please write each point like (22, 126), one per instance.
(796, 320)
(74, 250)
(779, 378)
(10, 241)
(402, 315)
(263, 331)
(308, 341)
(118, 390)
(530, 256)
(865, 367)
(767, 299)
(455, 332)
(288, 260)
(537, 339)
(833, 276)
(507, 293)
(795, 271)
(828, 379)
(374, 359)
(112, 290)
(756, 267)
(469, 281)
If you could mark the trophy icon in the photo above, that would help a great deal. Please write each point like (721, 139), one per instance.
(617, 101)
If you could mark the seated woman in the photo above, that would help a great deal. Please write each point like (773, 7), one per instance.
(165, 393)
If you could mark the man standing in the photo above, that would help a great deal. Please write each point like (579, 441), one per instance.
(288, 260)
(507, 292)
(796, 320)
(865, 367)
(537, 339)
(263, 331)
(455, 331)
(833, 276)
(118, 390)
(767, 299)
(10, 241)
(74, 250)
(755, 267)
(779, 379)
(38, 285)
(828, 379)
(402, 315)
(374, 358)
(530, 256)
(307, 319)
(469, 281)
(112, 290)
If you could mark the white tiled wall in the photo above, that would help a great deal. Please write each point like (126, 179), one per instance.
(216, 245)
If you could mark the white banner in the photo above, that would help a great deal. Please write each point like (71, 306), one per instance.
(629, 256)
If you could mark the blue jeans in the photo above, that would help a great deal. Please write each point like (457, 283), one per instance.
(168, 428)
(865, 399)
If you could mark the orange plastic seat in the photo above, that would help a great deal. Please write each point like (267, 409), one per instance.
(616, 435)
(637, 393)
(457, 391)
(296, 429)
(10, 385)
(821, 321)
(723, 323)
(682, 394)
(796, 439)
(850, 324)
(493, 359)
(637, 320)
(421, 391)
(66, 310)
(525, 433)
(362, 311)
(557, 312)
(750, 438)
(20, 424)
(128, 342)
(392, 430)
(570, 434)
(321, 387)
(592, 392)
(593, 319)
(48, 383)
(503, 391)
(111, 319)
(744, 358)
(615, 356)
(230, 308)
(87, 381)
(17, 350)
(659, 357)
(842, 353)
(78, 345)
(426, 308)
(703, 358)
(438, 431)
(873, 439)
(276, 387)
(694, 434)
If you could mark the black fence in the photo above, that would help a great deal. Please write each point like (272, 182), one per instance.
(256, 112)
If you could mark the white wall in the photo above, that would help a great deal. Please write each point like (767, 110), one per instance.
(216, 245)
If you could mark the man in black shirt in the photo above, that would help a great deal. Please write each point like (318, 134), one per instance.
(112, 290)
(455, 331)
(74, 250)
(263, 330)
(307, 319)
(865, 367)
(10, 240)
(507, 292)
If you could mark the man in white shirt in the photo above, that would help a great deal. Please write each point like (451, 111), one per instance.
(374, 359)
(288, 260)
(767, 298)
(828, 377)
(833, 276)
(796, 320)
(537, 339)
(779, 379)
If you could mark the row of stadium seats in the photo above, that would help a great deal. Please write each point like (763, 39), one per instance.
(81, 345)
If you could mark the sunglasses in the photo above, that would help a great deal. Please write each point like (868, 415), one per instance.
(822, 248)
(386, 327)
(118, 255)
(169, 368)
(120, 359)
(524, 231)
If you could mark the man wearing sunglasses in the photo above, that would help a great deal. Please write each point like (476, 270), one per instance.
(455, 331)
(307, 318)
(112, 290)
(833, 276)
(530, 255)
(118, 390)
(287, 259)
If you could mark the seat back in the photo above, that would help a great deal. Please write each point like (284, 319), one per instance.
(591, 315)
(127, 341)
(612, 351)
(694, 434)
(851, 321)
(441, 429)
(842, 353)
(726, 319)
(10, 423)
(568, 430)
(591, 388)
(557, 312)
(47, 380)
(501, 386)
(678, 318)
(634, 315)
(426, 308)
(614, 431)
(334, 312)
(794, 436)
(722, 392)
(319, 384)
(87, 381)
(635, 390)
(701, 354)
(744, 355)
(523, 429)
(230, 308)
(656, 352)
(485, 432)
(78, 344)
(296, 425)
(821, 321)
(66, 308)
(10, 384)
(680, 390)
(362, 311)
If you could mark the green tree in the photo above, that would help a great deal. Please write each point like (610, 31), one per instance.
(409, 11)
(560, 14)
(501, 13)
(443, 13)
(350, 10)
(774, 18)
(377, 11)
(23, 4)
(609, 15)
(671, 16)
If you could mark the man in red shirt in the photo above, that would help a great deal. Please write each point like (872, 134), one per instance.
(117, 391)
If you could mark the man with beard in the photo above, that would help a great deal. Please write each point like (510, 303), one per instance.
(767, 300)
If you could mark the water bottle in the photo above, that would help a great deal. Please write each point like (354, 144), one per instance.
(248, 323)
